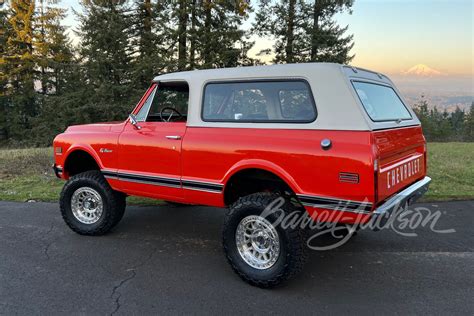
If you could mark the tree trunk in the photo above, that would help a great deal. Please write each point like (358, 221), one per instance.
(147, 21)
(315, 33)
(290, 36)
(192, 53)
(182, 34)
(207, 32)
(43, 42)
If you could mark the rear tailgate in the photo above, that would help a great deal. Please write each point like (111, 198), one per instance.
(401, 155)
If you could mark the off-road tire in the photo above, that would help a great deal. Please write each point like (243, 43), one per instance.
(114, 204)
(293, 252)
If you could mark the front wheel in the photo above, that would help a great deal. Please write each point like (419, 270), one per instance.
(259, 249)
(89, 206)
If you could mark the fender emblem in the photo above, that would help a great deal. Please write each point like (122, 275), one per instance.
(105, 150)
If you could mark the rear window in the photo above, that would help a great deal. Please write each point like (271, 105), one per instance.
(381, 102)
(259, 101)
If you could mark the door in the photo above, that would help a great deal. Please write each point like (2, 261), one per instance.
(149, 157)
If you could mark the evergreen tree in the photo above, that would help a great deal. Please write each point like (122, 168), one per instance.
(327, 40)
(208, 34)
(305, 31)
(5, 30)
(106, 34)
(19, 69)
(221, 41)
(51, 45)
(182, 13)
(150, 42)
(469, 125)
(457, 119)
(423, 113)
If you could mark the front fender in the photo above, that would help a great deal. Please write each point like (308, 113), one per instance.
(86, 148)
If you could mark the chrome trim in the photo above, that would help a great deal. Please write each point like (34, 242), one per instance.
(175, 137)
(340, 208)
(202, 186)
(335, 204)
(406, 197)
(58, 171)
(133, 120)
(209, 187)
(202, 190)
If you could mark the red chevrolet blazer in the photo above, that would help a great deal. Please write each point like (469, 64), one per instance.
(327, 141)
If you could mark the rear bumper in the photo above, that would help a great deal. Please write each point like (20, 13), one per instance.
(406, 197)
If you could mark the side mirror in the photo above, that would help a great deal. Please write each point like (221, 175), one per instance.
(133, 120)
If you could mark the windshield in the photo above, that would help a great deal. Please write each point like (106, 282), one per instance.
(381, 102)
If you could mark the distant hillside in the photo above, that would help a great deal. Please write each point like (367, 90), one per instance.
(440, 90)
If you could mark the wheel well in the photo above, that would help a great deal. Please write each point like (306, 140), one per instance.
(250, 181)
(79, 161)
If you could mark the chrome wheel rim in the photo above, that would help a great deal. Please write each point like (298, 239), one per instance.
(258, 242)
(87, 206)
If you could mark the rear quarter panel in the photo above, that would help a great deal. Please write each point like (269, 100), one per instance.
(215, 154)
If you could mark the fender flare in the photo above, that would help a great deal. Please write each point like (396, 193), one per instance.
(85, 148)
(263, 165)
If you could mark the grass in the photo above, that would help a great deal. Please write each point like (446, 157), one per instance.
(26, 174)
(451, 166)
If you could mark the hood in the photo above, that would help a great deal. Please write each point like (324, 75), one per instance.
(97, 127)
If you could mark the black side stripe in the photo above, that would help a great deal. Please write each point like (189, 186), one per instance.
(157, 180)
(202, 186)
(336, 204)
(169, 182)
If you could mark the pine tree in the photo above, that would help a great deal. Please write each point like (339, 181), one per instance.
(327, 40)
(208, 34)
(5, 30)
(221, 41)
(182, 13)
(150, 41)
(457, 119)
(423, 113)
(469, 125)
(106, 34)
(53, 52)
(305, 31)
(19, 69)
(283, 21)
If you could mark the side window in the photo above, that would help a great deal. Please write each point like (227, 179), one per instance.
(141, 115)
(296, 103)
(169, 99)
(259, 101)
(381, 102)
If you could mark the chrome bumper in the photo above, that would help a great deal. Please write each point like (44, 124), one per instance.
(58, 171)
(400, 200)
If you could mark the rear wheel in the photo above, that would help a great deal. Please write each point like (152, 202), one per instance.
(89, 206)
(259, 249)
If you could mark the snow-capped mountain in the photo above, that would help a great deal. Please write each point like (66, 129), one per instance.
(421, 70)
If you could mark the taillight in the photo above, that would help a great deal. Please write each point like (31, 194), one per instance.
(376, 181)
(425, 155)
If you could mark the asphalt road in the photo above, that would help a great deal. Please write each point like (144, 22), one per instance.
(169, 260)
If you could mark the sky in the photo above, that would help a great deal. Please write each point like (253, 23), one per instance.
(392, 36)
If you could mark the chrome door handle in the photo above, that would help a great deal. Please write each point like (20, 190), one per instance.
(176, 137)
